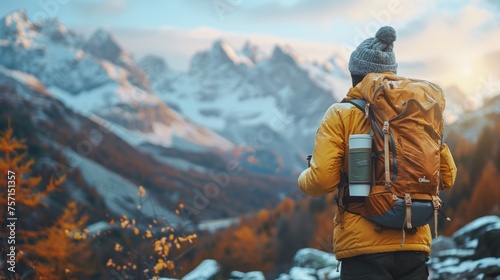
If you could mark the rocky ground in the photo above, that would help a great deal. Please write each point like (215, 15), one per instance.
(473, 252)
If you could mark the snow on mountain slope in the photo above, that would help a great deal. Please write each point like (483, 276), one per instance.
(119, 193)
(98, 77)
(273, 102)
(95, 158)
(23, 92)
(103, 46)
(470, 124)
(49, 52)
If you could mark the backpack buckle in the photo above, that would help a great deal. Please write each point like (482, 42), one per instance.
(385, 128)
(407, 199)
(408, 211)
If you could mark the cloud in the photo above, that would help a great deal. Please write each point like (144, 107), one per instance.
(178, 45)
(452, 43)
(438, 40)
(320, 12)
(106, 7)
(494, 4)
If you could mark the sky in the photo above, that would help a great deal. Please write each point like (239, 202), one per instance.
(451, 42)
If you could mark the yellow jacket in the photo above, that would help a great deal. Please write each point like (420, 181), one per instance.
(354, 235)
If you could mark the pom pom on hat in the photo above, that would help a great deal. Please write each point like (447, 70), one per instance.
(386, 34)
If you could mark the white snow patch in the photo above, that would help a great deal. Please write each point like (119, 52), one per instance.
(252, 275)
(470, 266)
(205, 271)
(88, 101)
(436, 264)
(180, 163)
(472, 244)
(98, 227)
(236, 58)
(304, 256)
(119, 194)
(126, 135)
(214, 225)
(480, 222)
(456, 253)
(24, 78)
(302, 273)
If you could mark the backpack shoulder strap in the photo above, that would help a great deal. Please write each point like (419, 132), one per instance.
(360, 103)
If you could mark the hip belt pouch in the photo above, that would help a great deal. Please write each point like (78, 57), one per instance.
(388, 210)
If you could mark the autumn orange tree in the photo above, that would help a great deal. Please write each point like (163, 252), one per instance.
(44, 248)
(28, 192)
(475, 193)
(57, 244)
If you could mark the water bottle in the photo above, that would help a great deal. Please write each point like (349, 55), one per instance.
(360, 164)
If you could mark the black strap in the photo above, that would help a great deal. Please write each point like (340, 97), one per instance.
(360, 103)
(353, 199)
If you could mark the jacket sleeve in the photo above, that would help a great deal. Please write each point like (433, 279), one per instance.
(323, 175)
(448, 169)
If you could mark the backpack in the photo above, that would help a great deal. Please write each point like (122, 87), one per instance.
(407, 127)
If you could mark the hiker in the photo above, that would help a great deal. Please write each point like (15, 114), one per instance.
(368, 248)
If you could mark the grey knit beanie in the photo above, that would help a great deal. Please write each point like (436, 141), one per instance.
(375, 54)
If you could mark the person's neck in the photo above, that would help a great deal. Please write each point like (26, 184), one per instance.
(356, 79)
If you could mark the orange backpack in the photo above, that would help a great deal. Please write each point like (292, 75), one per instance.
(406, 120)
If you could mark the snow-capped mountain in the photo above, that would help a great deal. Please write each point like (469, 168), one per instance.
(471, 124)
(103, 46)
(270, 103)
(103, 167)
(56, 131)
(96, 77)
(274, 102)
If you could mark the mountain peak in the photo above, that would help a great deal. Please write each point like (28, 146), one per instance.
(219, 56)
(19, 14)
(223, 50)
(285, 53)
(252, 51)
(101, 35)
(15, 26)
(103, 45)
(16, 16)
(221, 43)
(58, 33)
